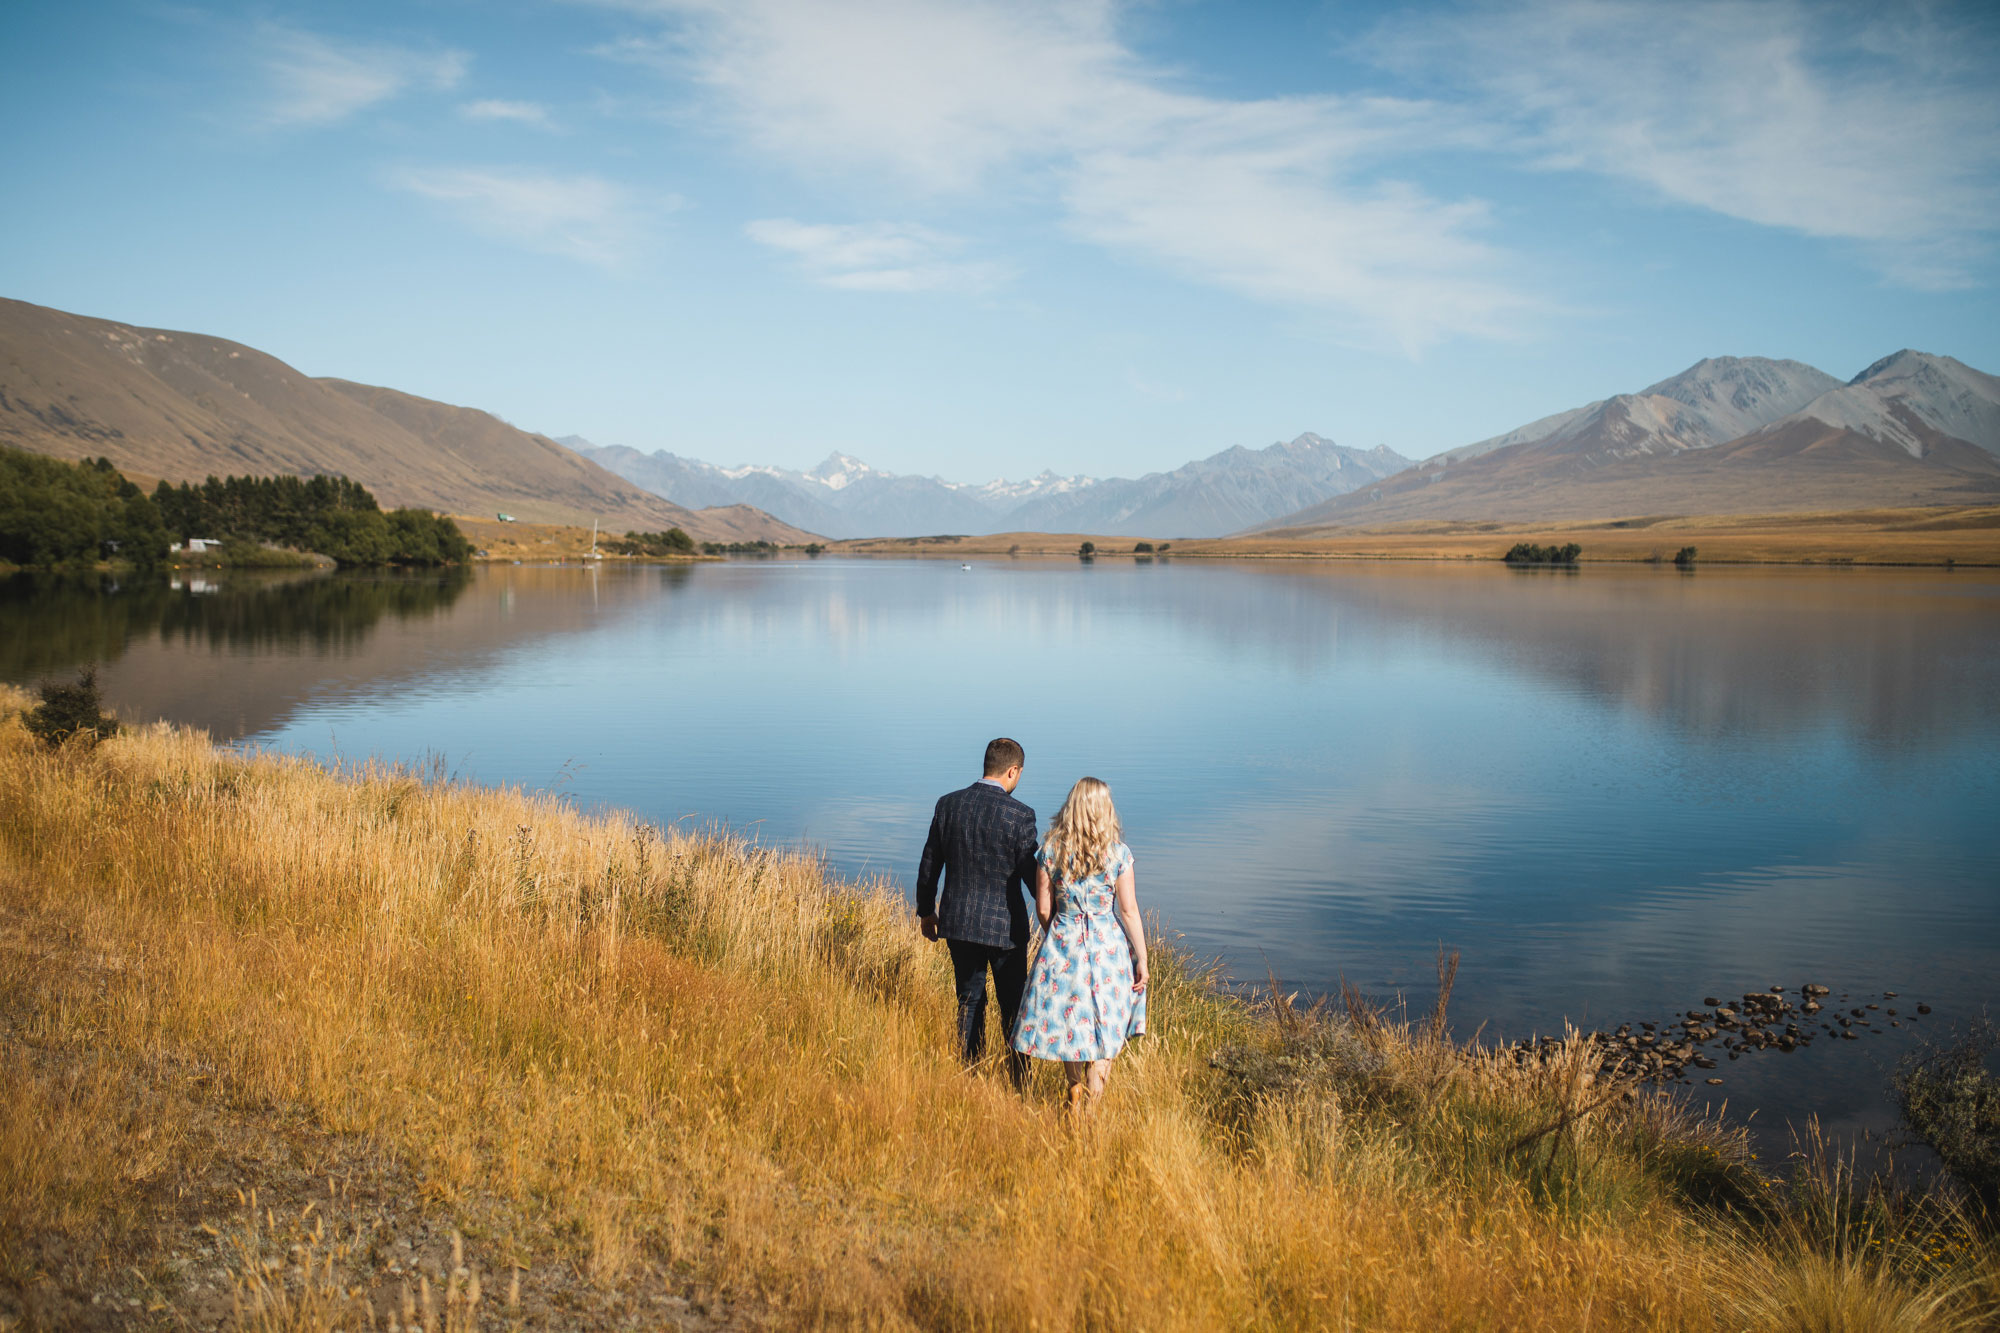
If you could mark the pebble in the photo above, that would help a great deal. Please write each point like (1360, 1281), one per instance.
(1760, 1021)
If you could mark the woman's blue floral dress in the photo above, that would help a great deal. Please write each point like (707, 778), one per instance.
(1080, 1004)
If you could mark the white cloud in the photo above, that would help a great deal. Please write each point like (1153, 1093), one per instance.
(318, 80)
(1282, 199)
(524, 113)
(577, 216)
(1869, 123)
(877, 256)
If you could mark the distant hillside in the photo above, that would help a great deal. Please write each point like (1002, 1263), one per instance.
(845, 497)
(1728, 435)
(182, 406)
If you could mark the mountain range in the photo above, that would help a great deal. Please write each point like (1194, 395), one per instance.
(845, 497)
(182, 406)
(1727, 435)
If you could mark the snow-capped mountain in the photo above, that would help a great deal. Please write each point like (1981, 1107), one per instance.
(845, 497)
(1226, 492)
(1729, 434)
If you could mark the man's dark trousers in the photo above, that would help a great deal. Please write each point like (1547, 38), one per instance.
(969, 965)
(982, 844)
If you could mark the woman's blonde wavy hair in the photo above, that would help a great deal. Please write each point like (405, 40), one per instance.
(1083, 832)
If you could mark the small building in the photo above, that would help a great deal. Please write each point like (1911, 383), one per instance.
(505, 518)
(196, 545)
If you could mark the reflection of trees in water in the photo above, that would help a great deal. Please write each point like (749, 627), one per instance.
(51, 623)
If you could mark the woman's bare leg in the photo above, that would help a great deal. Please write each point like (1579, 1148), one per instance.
(1078, 1072)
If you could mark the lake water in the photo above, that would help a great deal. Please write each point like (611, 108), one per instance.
(1616, 791)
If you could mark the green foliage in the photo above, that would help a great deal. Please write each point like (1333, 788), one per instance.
(1087, 550)
(739, 548)
(1164, 546)
(56, 513)
(1527, 553)
(1685, 557)
(70, 710)
(671, 542)
(1951, 1101)
(331, 515)
(1143, 548)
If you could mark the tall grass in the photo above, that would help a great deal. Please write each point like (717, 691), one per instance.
(643, 1051)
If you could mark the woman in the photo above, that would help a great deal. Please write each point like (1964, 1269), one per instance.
(1087, 992)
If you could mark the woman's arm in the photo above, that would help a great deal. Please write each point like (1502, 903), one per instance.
(1126, 892)
(1045, 897)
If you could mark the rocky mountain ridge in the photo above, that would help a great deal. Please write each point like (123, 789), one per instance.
(845, 497)
(1727, 435)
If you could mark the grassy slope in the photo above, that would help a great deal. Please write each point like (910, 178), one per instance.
(654, 1075)
(1967, 536)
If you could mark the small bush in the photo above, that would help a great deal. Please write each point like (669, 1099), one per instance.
(1528, 553)
(671, 542)
(1951, 1101)
(70, 710)
(1685, 557)
(1087, 550)
(1143, 548)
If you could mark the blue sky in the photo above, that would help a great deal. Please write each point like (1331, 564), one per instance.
(985, 239)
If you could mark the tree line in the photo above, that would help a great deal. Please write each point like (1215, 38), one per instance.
(58, 513)
(331, 515)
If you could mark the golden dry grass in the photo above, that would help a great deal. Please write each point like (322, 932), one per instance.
(619, 1060)
(537, 541)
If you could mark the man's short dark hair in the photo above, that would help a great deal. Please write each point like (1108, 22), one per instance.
(1003, 754)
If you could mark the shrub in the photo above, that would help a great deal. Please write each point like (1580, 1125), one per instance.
(1684, 557)
(1951, 1101)
(1087, 550)
(70, 710)
(1143, 548)
(1527, 553)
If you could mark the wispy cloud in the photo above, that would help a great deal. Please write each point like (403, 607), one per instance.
(877, 256)
(581, 217)
(1285, 200)
(319, 80)
(524, 113)
(1869, 123)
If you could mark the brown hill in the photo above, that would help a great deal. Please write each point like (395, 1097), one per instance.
(182, 406)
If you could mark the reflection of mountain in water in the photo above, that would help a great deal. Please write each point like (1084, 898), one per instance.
(1892, 658)
(1888, 657)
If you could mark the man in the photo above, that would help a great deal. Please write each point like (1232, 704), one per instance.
(983, 842)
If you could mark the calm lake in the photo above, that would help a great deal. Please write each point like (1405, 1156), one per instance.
(1616, 791)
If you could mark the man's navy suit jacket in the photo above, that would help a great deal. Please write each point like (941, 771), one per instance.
(983, 842)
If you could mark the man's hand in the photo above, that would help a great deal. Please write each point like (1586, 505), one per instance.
(928, 925)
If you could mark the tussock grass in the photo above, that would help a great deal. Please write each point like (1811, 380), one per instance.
(630, 1056)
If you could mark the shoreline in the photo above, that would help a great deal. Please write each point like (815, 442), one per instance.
(642, 1073)
(1954, 538)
